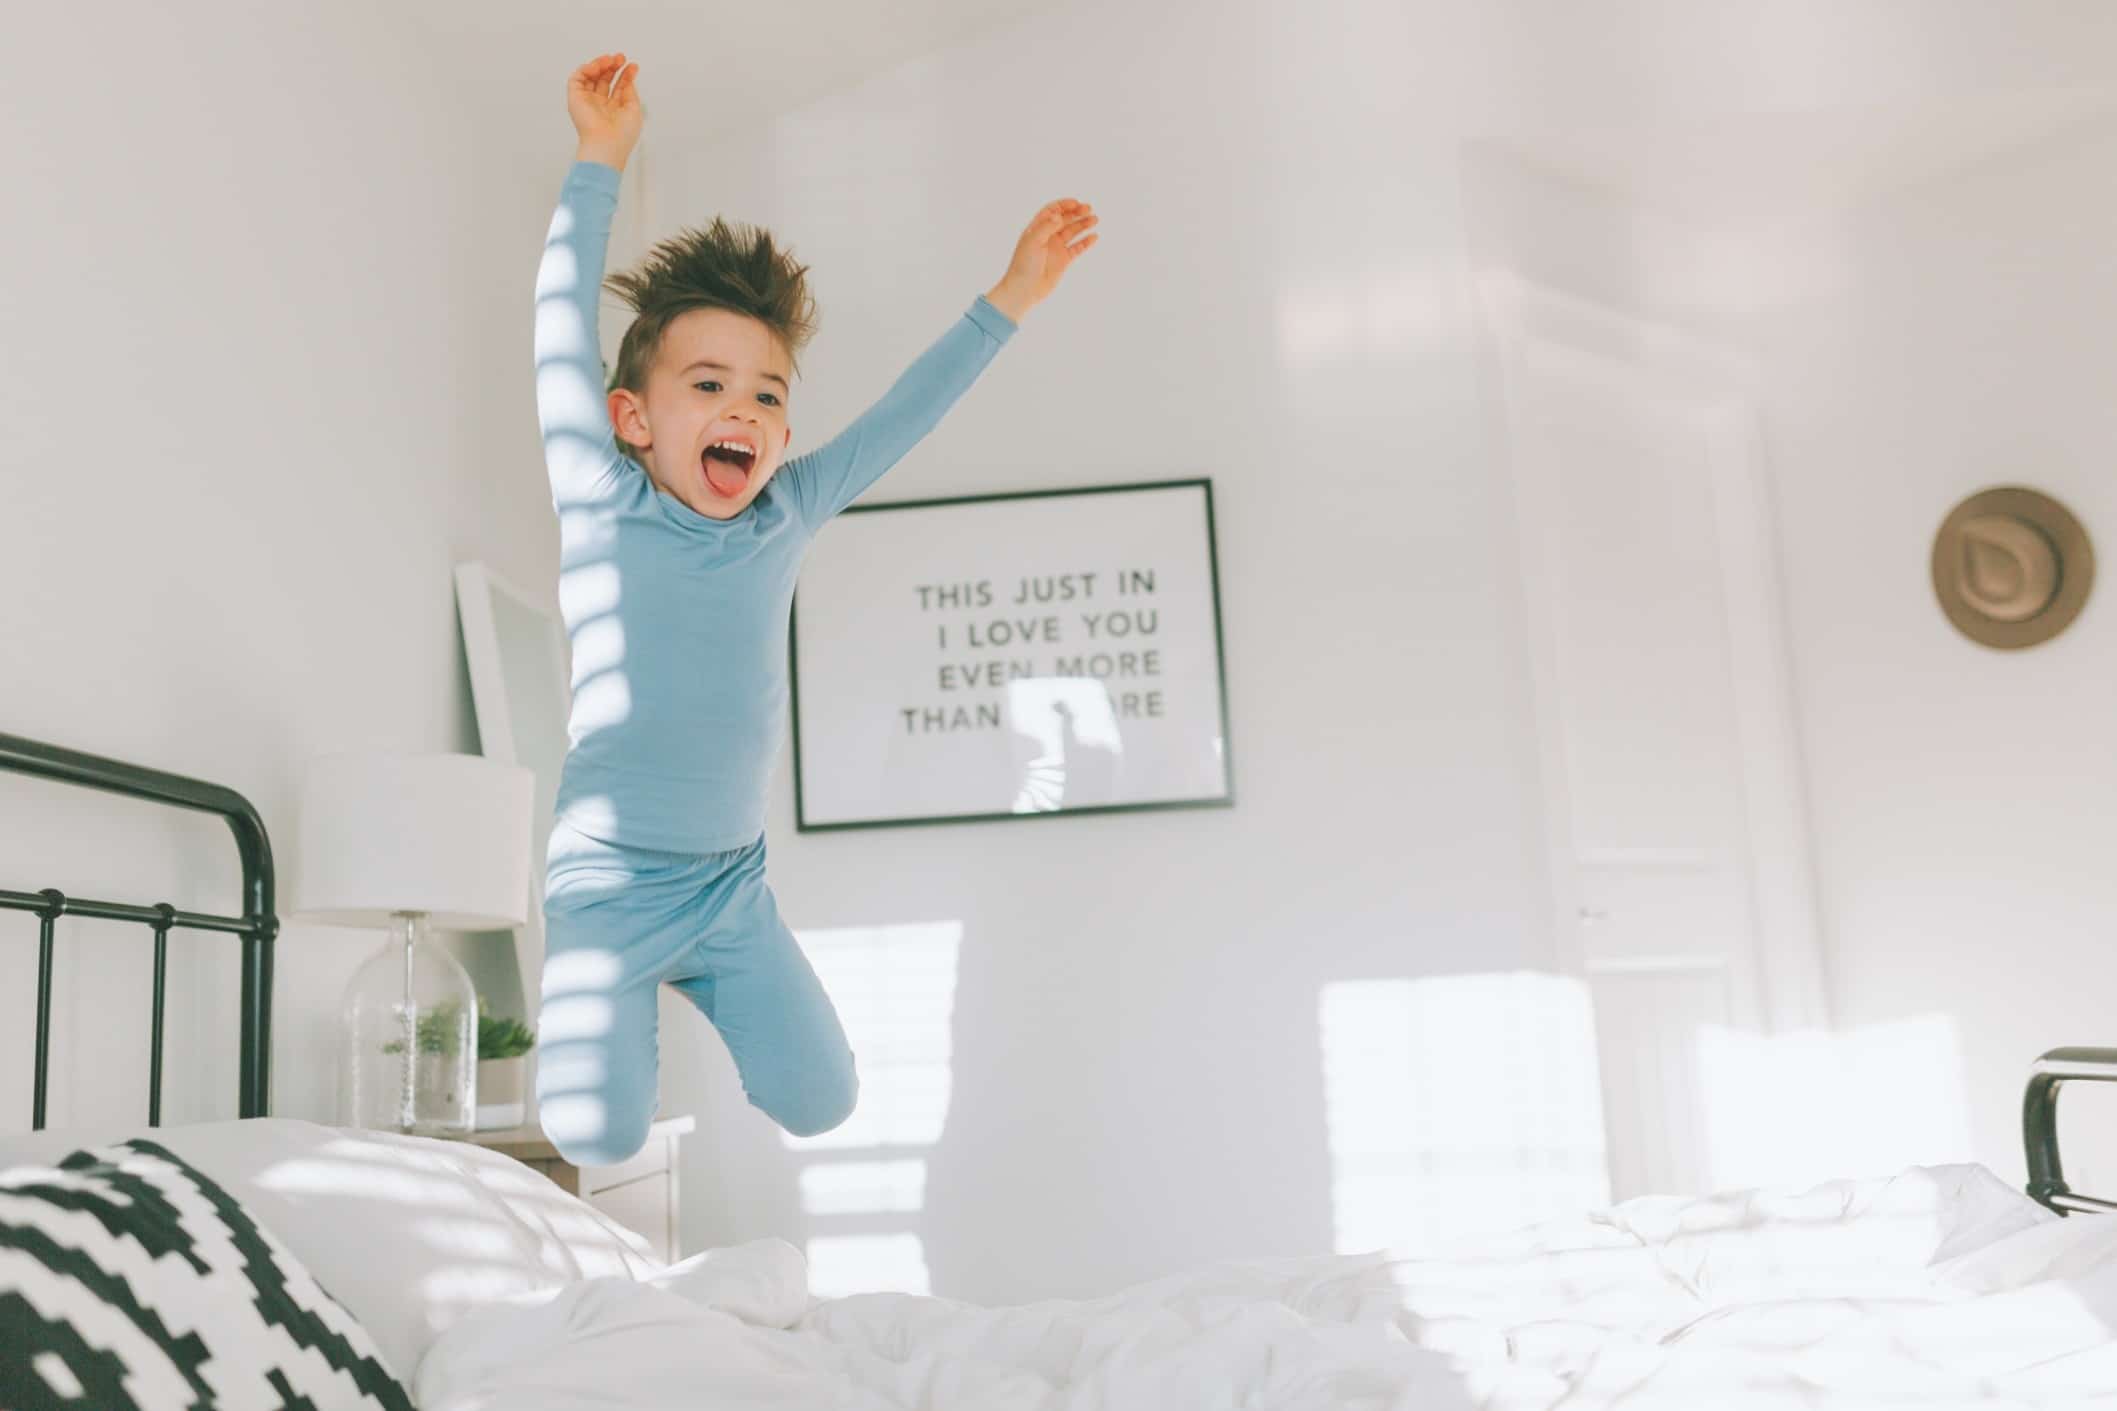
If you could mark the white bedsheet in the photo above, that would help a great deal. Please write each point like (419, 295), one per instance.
(735, 1331)
(1942, 1287)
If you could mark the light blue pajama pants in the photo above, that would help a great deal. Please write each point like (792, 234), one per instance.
(622, 921)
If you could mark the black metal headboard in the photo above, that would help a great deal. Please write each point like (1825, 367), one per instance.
(257, 926)
(2039, 1123)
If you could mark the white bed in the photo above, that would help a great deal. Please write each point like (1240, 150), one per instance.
(361, 1265)
(486, 1288)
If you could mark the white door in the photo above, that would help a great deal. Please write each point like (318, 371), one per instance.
(1678, 851)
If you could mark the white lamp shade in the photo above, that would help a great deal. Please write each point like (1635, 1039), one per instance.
(443, 834)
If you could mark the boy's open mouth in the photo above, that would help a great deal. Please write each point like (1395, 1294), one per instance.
(727, 466)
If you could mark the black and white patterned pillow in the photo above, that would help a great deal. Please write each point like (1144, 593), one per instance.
(130, 1280)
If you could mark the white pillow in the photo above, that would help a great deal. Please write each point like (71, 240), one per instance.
(409, 1233)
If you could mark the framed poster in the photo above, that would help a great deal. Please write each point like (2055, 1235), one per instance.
(1011, 656)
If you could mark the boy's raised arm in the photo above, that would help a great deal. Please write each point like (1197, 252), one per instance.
(832, 476)
(580, 448)
(827, 479)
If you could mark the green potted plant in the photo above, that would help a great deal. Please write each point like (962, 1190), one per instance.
(503, 1067)
(443, 1031)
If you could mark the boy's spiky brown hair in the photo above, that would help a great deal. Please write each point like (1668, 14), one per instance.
(738, 268)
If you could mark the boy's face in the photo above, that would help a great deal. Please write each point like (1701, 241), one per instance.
(719, 384)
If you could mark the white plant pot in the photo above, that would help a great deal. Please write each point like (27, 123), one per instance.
(502, 1093)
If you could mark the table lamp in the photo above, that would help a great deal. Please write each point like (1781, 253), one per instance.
(412, 842)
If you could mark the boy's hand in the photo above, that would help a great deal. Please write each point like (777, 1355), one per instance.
(603, 100)
(1044, 253)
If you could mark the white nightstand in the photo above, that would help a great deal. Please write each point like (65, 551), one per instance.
(639, 1194)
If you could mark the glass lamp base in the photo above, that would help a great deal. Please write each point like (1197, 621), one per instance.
(408, 1054)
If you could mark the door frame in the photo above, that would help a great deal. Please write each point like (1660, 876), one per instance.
(1521, 320)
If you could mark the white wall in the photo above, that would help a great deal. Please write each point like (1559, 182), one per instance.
(1918, 289)
(1277, 302)
(1290, 210)
(266, 380)
(1953, 336)
(237, 359)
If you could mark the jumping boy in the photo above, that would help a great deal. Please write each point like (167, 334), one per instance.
(680, 530)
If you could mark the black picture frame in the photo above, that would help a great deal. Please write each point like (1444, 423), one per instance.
(804, 823)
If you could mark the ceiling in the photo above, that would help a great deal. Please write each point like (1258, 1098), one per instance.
(1777, 169)
(707, 67)
(711, 67)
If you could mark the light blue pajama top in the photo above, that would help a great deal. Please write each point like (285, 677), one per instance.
(679, 621)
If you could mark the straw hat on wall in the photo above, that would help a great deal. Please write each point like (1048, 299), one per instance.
(2012, 567)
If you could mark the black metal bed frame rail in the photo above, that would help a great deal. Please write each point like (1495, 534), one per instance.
(257, 926)
(2039, 1123)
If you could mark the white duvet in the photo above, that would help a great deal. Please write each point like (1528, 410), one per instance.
(491, 1290)
(1942, 1287)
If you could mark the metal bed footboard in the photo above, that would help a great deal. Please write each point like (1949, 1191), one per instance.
(257, 926)
(2039, 1123)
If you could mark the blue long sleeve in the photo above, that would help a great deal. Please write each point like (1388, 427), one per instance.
(827, 479)
(580, 447)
